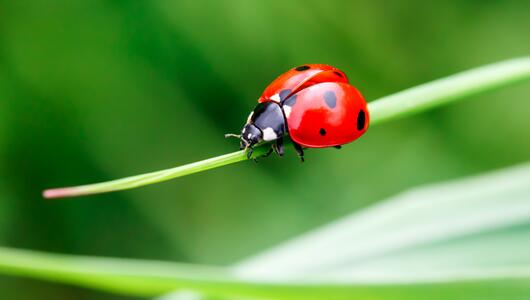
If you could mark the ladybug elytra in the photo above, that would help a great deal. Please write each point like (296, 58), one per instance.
(313, 104)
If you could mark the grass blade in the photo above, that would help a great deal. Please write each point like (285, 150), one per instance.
(449, 89)
(148, 178)
(401, 104)
(151, 278)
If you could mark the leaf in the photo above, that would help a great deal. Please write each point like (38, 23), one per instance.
(464, 217)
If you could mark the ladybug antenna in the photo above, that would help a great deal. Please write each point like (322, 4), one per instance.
(228, 135)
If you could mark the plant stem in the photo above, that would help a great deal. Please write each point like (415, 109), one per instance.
(410, 101)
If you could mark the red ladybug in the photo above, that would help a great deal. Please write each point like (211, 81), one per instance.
(313, 104)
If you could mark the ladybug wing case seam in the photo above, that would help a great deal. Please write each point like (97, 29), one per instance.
(299, 78)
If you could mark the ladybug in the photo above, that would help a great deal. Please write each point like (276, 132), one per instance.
(313, 104)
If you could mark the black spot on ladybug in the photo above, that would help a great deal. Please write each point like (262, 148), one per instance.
(322, 131)
(338, 73)
(302, 68)
(330, 98)
(361, 119)
(291, 101)
(284, 94)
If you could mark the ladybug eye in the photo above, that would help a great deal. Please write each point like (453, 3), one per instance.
(302, 68)
(361, 119)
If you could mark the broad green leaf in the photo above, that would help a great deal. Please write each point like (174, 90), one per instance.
(415, 219)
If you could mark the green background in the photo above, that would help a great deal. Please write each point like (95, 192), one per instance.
(96, 90)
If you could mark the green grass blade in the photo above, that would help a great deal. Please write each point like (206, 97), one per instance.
(404, 103)
(117, 275)
(151, 278)
(449, 89)
(148, 178)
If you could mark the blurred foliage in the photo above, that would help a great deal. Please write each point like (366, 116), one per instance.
(96, 90)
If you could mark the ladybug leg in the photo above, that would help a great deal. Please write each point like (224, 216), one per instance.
(299, 150)
(250, 150)
(278, 147)
(337, 147)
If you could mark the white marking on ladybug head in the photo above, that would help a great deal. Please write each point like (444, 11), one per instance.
(275, 98)
(286, 110)
(269, 134)
(250, 116)
(249, 136)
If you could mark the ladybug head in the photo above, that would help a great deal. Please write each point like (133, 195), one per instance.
(250, 135)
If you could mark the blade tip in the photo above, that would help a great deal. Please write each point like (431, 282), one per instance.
(58, 193)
